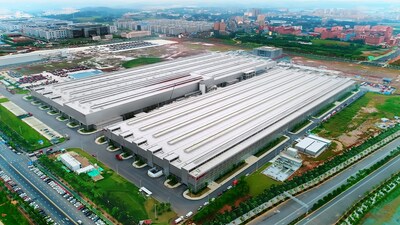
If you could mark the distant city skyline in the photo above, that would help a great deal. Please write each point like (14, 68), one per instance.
(41, 5)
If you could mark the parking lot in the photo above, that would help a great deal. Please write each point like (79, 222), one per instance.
(53, 204)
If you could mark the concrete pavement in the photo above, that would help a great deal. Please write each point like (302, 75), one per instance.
(51, 202)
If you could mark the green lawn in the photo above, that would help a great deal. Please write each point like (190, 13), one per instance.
(20, 132)
(329, 42)
(114, 193)
(140, 62)
(258, 182)
(9, 212)
(353, 116)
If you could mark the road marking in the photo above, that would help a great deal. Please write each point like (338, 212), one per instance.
(354, 189)
(375, 160)
(1, 155)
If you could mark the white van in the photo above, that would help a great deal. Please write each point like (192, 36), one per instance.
(180, 219)
(189, 214)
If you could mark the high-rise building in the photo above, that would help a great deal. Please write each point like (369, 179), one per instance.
(255, 12)
(261, 19)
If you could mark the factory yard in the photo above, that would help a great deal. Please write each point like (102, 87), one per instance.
(109, 193)
(355, 71)
(177, 148)
(359, 120)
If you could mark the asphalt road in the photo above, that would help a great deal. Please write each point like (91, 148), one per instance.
(54, 205)
(139, 177)
(331, 212)
(290, 210)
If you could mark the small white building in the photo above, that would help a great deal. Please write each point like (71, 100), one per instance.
(135, 34)
(85, 169)
(313, 145)
(70, 162)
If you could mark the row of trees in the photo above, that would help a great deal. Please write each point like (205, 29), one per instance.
(375, 197)
(103, 198)
(14, 139)
(354, 179)
(228, 198)
(6, 195)
(349, 51)
(276, 190)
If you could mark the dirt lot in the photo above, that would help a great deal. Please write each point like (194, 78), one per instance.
(355, 71)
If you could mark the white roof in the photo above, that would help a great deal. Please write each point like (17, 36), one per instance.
(108, 90)
(70, 160)
(204, 131)
(85, 169)
(311, 145)
(319, 138)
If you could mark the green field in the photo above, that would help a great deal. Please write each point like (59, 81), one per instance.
(323, 42)
(140, 62)
(20, 132)
(9, 212)
(354, 115)
(258, 182)
(328, 48)
(114, 194)
(386, 212)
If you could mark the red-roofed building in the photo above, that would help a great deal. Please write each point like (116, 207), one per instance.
(374, 40)
(293, 30)
(320, 29)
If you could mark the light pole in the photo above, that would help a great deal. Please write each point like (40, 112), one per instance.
(155, 211)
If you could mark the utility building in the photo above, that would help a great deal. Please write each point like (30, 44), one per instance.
(70, 162)
(268, 52)
(200, 138)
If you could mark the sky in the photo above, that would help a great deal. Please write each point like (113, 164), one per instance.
(35, 5)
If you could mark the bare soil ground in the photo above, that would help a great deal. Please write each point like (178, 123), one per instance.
(355, 71)
(236, 204)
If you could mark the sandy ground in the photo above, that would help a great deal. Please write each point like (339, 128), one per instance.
(355, 71)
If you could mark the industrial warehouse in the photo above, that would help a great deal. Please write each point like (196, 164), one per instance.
(101, 100)
(200, 138)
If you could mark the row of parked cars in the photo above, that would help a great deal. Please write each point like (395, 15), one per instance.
(68, 196)
(14, 187)
(129, 45)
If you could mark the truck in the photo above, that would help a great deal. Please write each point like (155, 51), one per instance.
(179, 220)
(189, 214)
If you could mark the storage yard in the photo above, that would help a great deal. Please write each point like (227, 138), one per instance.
(198, 139)
(97, 101)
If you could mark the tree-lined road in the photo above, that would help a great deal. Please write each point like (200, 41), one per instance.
(290, 210)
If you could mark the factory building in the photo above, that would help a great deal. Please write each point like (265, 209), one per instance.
(19, 59)
(268, 52)
(105, 99)
(200, 138)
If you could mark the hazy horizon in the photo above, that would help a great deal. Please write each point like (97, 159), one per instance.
(42, 5)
